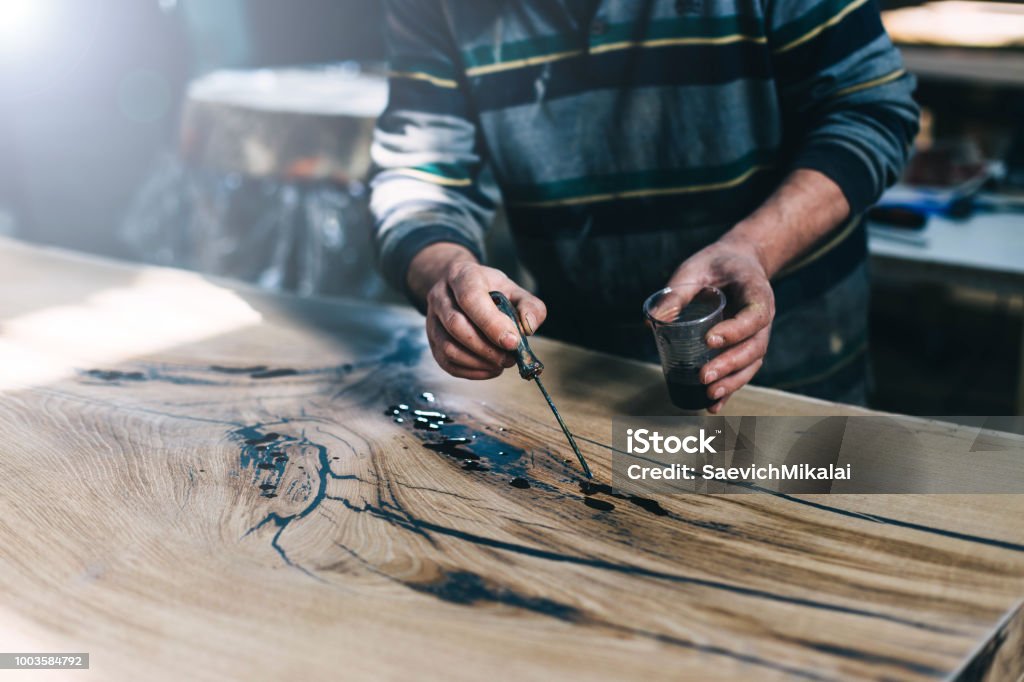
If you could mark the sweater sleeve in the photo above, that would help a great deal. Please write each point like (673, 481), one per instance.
(430, 175)
(846, 98)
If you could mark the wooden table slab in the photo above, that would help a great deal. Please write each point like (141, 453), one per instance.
(201, 482)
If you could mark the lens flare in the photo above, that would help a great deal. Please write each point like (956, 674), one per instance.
(22, 25)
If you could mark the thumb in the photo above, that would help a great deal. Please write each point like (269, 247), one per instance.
(694, 270)
(532, 311)
(686, 282)
(667, 304)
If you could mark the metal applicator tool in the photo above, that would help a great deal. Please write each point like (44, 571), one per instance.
(530, 367)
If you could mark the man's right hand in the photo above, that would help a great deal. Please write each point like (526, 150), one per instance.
(469, 336)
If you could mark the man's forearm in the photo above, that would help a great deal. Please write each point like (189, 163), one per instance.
(807, 206)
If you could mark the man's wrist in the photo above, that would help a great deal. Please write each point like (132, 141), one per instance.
(744, 237)
(803, 209)
(432, 263)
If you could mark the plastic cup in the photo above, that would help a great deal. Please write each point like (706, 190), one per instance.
(680, 318)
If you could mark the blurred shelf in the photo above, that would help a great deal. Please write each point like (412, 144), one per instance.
(1001, 67)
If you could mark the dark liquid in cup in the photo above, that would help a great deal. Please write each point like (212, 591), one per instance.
(687, 393)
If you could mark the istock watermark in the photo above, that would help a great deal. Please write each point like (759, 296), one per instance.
(652, 441)
(816, 455)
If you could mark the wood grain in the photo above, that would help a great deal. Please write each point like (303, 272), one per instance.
(239, 504)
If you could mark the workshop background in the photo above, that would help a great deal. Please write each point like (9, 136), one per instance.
(231, 137)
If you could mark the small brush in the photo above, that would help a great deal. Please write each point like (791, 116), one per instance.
(530, 367)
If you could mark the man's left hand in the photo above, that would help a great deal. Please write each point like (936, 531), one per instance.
(736, 269)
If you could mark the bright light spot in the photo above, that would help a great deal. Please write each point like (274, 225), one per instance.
(161, 310)
(22, 25)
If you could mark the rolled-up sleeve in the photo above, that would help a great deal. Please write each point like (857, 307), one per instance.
(846, 97)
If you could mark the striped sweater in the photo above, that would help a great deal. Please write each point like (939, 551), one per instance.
(623, 135)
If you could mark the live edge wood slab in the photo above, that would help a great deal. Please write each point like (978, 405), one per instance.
(200, 482)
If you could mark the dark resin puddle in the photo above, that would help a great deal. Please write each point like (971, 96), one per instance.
(439, 432)
(466, 588)
(270, 437)
(479, 451)
(274, 373)
(237, 370)
(450, 447)
(263, 452)
(114, 375)
(601, 505)
(648, 505)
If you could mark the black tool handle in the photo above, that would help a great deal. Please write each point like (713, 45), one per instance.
(529, 366)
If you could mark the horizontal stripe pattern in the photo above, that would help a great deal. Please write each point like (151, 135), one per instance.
(434, 175)
(805, 19)
(710, 29)
(418, 96)
(597, 188)
(676, 66)
(679, 212)
(433, 68)
(832, 48)
(675, 123)
(487, 59)
(873, 83)
(641, 193)
(829, 16)
(421, 76)
(640, 142)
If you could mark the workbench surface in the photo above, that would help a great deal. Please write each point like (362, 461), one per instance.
(200, 482)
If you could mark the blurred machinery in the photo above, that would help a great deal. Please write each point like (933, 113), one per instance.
(268, 183)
